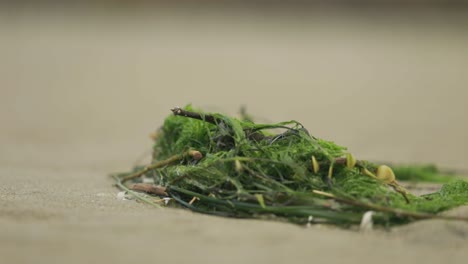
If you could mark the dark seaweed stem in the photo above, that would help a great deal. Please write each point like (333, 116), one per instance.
(204, 117)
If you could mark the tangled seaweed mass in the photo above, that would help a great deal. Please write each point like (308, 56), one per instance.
(215, 164)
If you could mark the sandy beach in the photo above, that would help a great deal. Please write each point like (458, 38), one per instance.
(81, 91)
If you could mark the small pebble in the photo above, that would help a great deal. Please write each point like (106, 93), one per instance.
(366, 222)
(123, 196)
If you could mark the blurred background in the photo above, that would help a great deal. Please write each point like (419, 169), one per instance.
(88, 81)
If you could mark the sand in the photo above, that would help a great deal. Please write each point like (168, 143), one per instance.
(81, 91)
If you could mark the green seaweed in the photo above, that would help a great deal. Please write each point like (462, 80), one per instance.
(424, 173)
(266, 170)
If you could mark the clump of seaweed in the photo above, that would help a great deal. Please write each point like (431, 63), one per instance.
(216, 164)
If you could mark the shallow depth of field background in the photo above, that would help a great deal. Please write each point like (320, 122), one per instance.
(81, 88)
(389, 83)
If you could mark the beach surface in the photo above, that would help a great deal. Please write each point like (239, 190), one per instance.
(82, 90)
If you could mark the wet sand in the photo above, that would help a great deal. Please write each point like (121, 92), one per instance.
(80, 92)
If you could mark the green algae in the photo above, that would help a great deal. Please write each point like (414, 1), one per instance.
(424, 173)
(264, 170)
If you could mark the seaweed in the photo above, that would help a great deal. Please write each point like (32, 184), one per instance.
(216, 164)
(424, 173)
